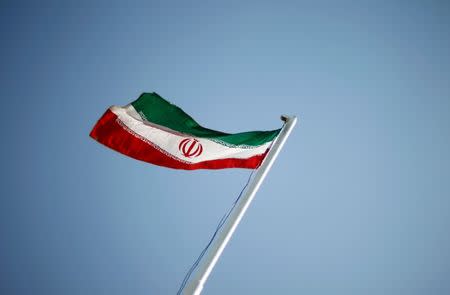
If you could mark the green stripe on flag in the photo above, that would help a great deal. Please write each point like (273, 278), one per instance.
(156, 109)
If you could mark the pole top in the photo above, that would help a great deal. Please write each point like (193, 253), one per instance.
(287, 118)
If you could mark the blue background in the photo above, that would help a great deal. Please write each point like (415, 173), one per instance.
(357, 203)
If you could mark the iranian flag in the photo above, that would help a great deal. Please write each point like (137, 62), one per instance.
(153, 130)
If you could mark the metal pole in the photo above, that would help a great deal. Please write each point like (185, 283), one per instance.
(196, 285)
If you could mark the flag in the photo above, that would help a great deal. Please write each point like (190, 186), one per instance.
(153, 130)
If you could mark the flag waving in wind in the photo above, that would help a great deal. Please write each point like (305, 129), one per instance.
(153, 130)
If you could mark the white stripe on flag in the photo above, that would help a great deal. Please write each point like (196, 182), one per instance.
(169, 141)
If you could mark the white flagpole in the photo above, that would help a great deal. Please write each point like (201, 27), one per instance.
(196, 284)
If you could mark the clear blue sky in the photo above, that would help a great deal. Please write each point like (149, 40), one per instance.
(358, 202)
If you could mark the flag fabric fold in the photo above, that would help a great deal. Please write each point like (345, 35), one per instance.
(153, 130)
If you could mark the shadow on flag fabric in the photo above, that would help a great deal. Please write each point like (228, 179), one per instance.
(153, 130)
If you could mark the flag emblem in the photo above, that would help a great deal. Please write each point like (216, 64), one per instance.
(190, 147)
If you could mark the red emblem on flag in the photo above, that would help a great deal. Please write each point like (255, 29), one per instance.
(190, 147)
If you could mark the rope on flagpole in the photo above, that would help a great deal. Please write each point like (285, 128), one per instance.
(219, 226)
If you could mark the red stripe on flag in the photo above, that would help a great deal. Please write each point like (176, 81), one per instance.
(110, 133)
